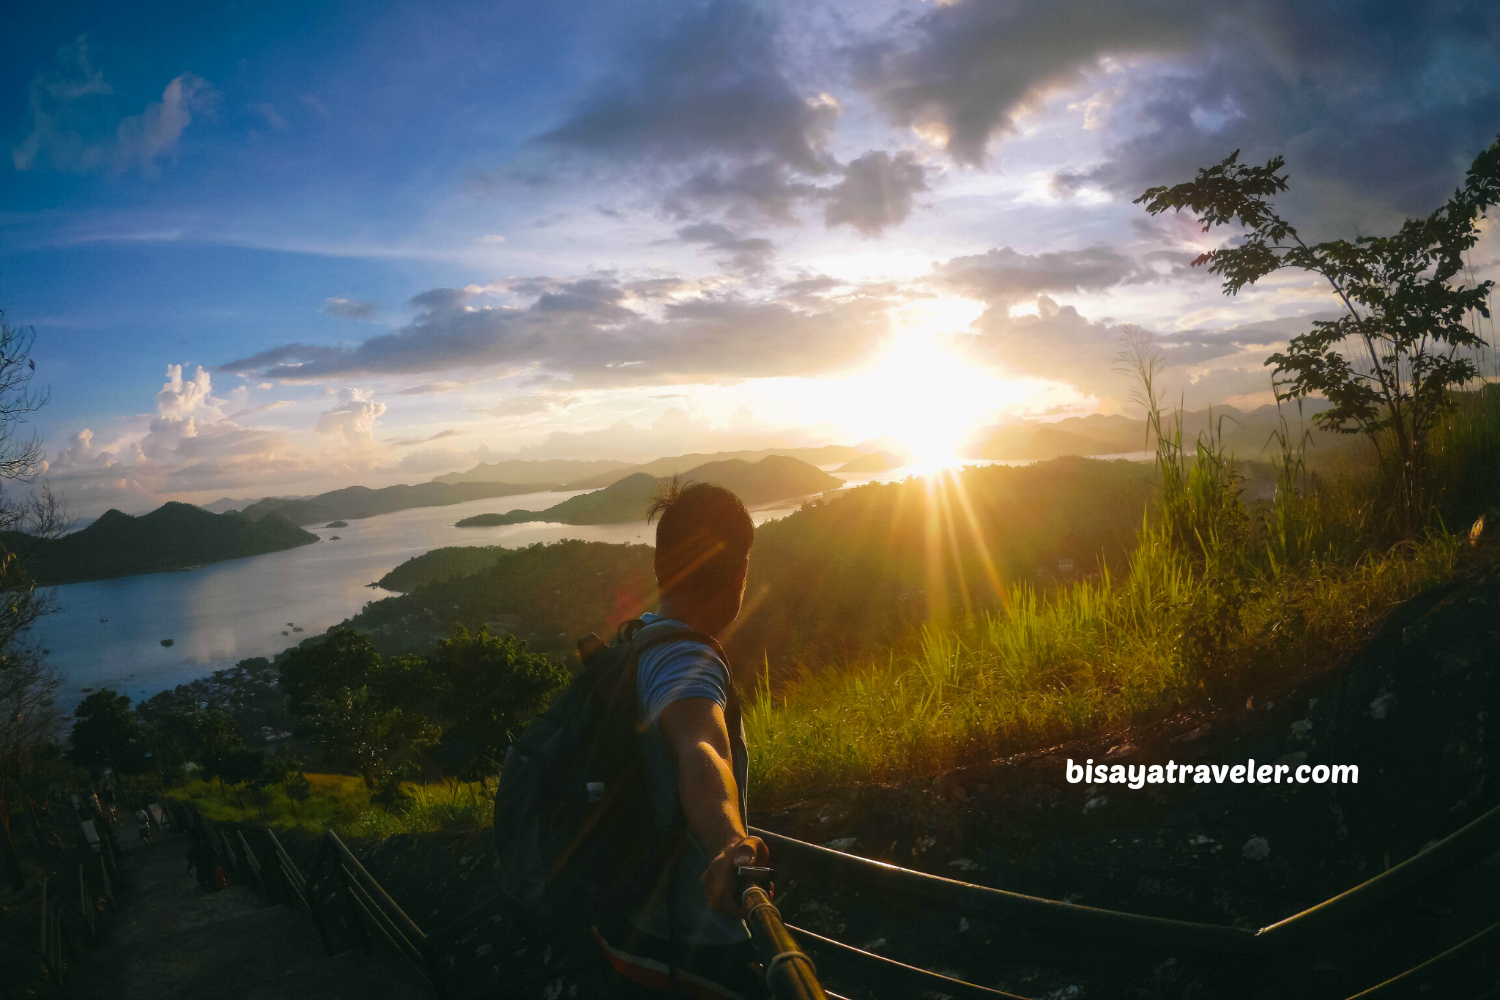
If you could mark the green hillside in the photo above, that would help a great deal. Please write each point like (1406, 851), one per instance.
(174, 536)
(834, 580)
(623, 502)
(548, 595)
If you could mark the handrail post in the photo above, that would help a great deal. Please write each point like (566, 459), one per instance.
(790, 972)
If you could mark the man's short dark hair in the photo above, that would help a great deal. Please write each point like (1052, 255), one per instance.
(703, 536)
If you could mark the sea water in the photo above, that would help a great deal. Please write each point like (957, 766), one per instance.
(108, 633)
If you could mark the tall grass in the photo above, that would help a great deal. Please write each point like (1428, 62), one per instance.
(1218, 597)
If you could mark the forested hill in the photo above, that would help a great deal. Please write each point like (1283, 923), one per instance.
(772, 478)
(833, 581)
(354, 502)
(174, 536)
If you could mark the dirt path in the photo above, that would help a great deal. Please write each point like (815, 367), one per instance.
(174, 938)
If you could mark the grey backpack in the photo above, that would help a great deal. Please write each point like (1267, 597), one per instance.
(574, 831)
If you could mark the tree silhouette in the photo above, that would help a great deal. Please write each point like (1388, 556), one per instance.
(491, 687)
(360, 733)
(1408, 329)
(107, 736)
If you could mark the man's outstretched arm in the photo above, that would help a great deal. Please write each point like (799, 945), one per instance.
(694, 728)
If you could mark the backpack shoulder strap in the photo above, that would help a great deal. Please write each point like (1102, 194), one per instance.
(654, 634)
(733, 717)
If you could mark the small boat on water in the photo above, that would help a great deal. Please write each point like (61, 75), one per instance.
(168, 642)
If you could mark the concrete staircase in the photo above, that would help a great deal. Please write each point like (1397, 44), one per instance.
(174, 939)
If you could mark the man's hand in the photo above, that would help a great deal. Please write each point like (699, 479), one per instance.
(719, 881)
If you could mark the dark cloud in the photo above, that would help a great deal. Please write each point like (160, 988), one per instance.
(1004, 276)
(653, 288)
(967, 69)
(582, 331)
(1378, 108)
(748, 255)
(710, 84)
(350, 308)
(876, 192)
(1378, 105)
(707, 109)
(809, 290)
(765, 189)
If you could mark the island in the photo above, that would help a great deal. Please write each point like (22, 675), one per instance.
(355, 502)
(337, 524)
(775, 477)
(175, 536)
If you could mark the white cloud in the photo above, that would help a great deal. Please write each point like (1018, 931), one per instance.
(154, 132)
(189, 445)
(353, 419)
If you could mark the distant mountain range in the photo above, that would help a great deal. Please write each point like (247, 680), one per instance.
(224, 505)
(774, 477)
(174, 536)
(596, 475)
(509, 478)
(354, 502)
(541, 471)
(1246, 434)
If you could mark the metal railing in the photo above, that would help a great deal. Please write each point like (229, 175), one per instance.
(348, 902)
(1463, 848)
(350, 907)
(65, 920)
(908, 977)
(357, 904)
(56, 945)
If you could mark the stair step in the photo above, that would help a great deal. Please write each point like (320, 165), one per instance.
(211, 959)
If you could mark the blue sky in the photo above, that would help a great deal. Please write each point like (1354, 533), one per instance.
(279, 248)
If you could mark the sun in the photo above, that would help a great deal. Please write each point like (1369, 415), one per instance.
(922, 395)
(931, 399)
